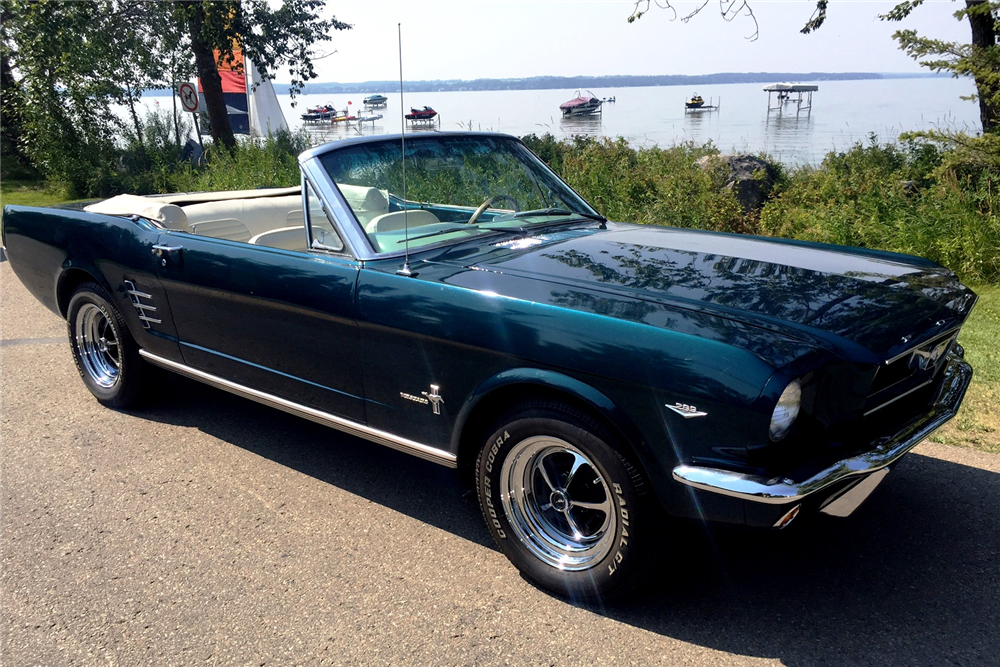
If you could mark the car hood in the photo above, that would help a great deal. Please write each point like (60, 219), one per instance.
(882, 302)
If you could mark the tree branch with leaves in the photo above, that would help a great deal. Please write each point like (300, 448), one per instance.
(729, 9)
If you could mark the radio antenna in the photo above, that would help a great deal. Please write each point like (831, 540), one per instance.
(405, 271)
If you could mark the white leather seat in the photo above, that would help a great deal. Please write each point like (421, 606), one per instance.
(286, 238)
(242, 219)
(367, 203)
(170, 216)
(390, 222)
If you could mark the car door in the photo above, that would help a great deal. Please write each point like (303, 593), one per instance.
(275, 320)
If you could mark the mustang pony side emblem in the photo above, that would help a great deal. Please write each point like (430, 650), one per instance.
(686, 411)
(434, 398)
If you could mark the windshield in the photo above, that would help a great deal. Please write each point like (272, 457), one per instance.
(457, 187)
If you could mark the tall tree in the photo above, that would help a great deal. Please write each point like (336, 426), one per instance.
(55, 57)
(271, 37)
(66, 65)
(11, 127)
(980, 59)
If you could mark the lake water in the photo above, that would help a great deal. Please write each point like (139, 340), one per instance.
(843, 112)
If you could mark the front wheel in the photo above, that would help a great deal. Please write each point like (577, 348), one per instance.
(562, 501)
(104, 351)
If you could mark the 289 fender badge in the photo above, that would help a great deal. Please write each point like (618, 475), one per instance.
(686, 411)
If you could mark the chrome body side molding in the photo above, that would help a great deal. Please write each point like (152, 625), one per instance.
(421, 450)
(885, 452)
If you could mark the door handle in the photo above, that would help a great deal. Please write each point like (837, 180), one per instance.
(159, 249)
(162, 251)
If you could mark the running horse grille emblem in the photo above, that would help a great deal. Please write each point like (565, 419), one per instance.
(927, 358)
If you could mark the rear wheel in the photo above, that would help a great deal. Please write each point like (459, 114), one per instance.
(105, 354)
(562, 501)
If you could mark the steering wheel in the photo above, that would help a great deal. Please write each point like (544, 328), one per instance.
(488, 203)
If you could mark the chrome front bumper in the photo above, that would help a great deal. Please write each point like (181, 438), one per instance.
(885, 452)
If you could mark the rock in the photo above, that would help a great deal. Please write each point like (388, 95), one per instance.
(750, 178)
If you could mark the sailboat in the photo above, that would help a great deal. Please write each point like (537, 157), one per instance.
(250, 99)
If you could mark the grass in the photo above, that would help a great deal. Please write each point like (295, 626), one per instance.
(977, 424)
(31, 193)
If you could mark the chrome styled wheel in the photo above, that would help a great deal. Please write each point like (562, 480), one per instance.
(98, 346)
(104, 351)
(563, 500)
(558, 503)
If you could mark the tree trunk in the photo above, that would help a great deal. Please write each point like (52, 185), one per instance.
(211, 83)
(10, 121)
(984, 36)
(135, 120)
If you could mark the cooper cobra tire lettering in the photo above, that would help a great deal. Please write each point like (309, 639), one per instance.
(623, 540)
(488, 499)
(494, 449)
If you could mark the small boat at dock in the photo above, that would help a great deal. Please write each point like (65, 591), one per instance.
(583, 104)
(421, 114)
(696, 102)
(377, 100)
(325, 112)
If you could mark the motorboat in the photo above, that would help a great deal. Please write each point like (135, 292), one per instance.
(583, 104)
(421, 114)
(696, 102)
(325, 112)
(377, 100)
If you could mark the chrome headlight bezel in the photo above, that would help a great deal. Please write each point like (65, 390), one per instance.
(786, 411)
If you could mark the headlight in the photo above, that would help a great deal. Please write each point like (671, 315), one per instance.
(786, 410)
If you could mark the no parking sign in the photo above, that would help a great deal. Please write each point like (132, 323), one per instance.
(189, 96)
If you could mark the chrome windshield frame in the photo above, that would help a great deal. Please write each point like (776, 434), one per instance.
(355, 240)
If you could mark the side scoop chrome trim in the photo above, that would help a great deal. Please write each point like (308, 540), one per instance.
(884, 452)
(423, 451)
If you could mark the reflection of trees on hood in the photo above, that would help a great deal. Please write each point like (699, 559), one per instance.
(832, 302)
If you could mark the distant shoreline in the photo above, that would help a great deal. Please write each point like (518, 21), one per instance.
(591, 82)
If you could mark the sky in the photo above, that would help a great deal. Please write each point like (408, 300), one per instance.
(505, 39)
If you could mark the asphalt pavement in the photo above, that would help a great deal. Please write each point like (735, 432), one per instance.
(210, 530)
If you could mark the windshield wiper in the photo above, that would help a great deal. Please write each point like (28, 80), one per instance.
(558, 211)
(542, 212)
(438, 233)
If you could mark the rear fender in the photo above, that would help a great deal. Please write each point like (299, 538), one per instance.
(75, 272)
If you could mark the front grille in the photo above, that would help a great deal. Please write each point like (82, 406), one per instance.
(909, 372)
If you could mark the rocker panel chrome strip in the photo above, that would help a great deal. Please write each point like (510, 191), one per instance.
(423, 451)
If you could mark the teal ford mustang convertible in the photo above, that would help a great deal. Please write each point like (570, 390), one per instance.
(449, 296)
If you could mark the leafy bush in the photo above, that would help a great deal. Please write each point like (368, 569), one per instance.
(272, 162)
(661, 186)
(911, 198)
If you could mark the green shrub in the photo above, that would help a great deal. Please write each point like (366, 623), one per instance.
(910, 198)
(660, 186)
(271, 162)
